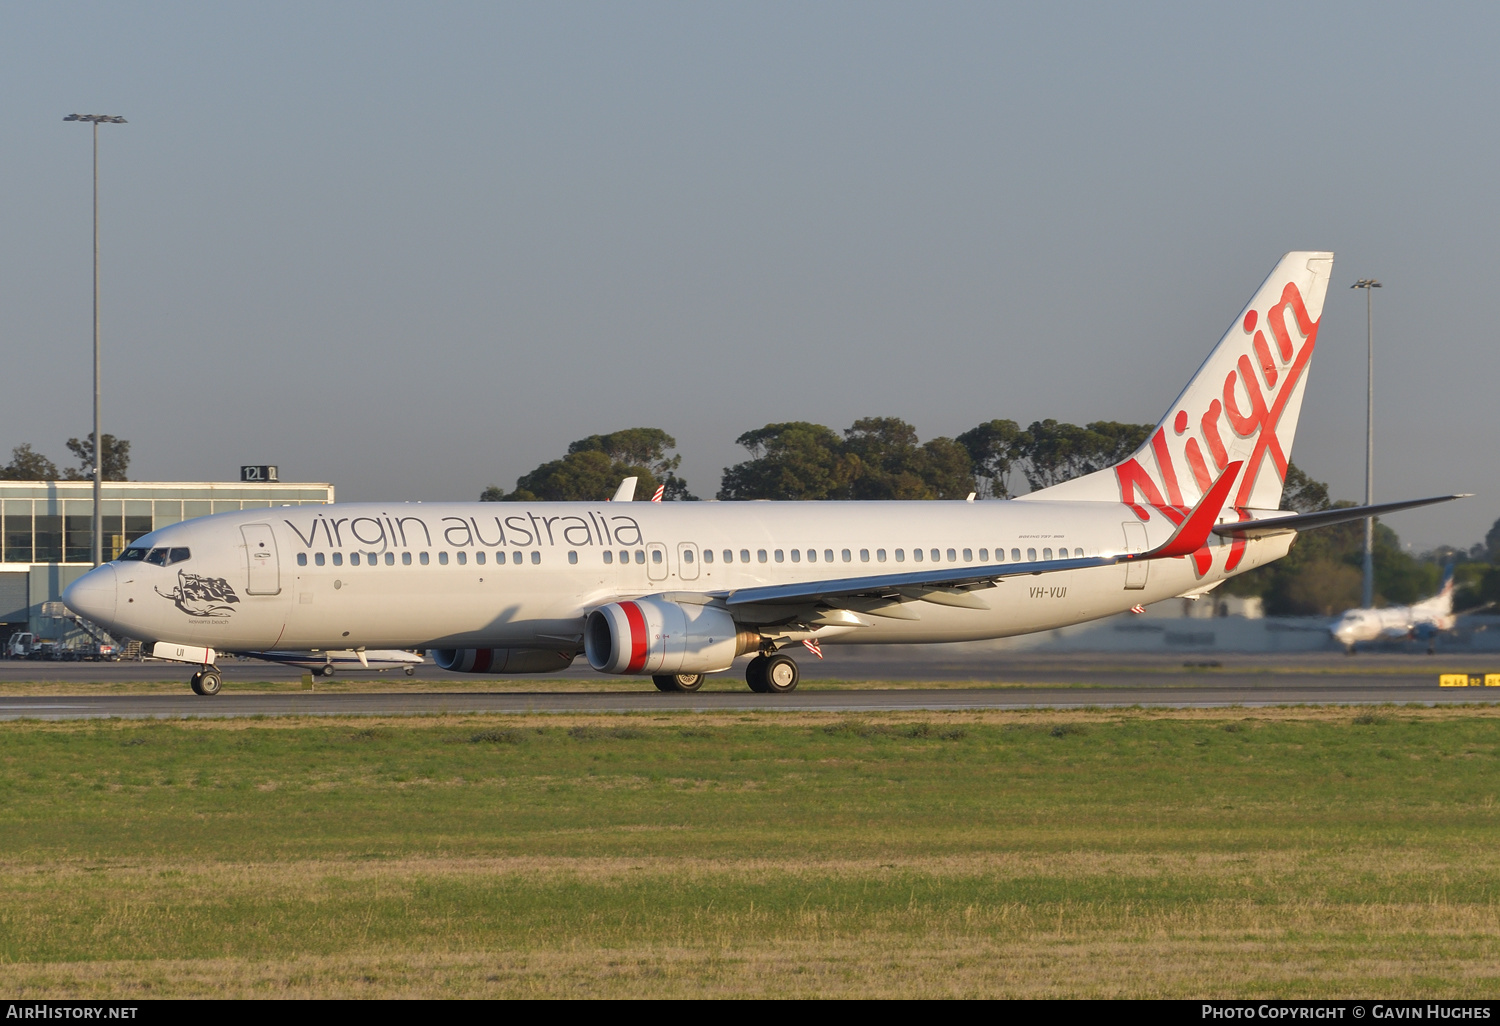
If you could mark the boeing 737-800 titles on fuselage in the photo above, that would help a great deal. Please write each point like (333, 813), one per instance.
(678, 590)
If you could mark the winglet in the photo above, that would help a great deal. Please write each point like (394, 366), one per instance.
(626, 491)
(1192, 534)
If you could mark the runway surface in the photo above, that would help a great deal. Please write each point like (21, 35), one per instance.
(852, 681)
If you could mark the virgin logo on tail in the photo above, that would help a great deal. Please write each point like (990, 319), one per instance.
(1245, 416)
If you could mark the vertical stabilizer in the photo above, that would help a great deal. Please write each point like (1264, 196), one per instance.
(1242, 405)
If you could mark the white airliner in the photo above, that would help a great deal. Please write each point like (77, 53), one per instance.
(677, 590)
(1421, 622)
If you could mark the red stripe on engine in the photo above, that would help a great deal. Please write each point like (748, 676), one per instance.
(484, 658)
(637, 636)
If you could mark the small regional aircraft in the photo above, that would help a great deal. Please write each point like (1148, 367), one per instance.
(677, 590)
(345, 660)
(1421, 622)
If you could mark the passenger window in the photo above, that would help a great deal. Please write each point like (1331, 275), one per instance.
(609, 557)
(479, 558)
(687, 555)
(390, 559)
(1046, 553)
(901, 555)
(880, 555)
(916, 554)
(318, 559)
(937, 557)
(301, 559)
(354, 559)
(780, 556)
(1031, 555)
(760, 555)
(952, 556)
(828, 555)
(338, 559)
(745, 555)
(640, 556)
(729, 556)
(463, 558)
(442, 559)
(968, 555)
(536, 557)
(847, 556)
(1015, 554)
(796, 555)
(984, 555)
(406, 559)
(572, 557)
(708, 555)
(515, 557)
(422, 558)
(1077, 553)
(999, 555)
(864, 555)
(656, 556)
(373, 558)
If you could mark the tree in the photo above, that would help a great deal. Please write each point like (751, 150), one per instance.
(26, 464)
(641, 447)
(793, 460)
(878, 458)
(116, 458)
(1301, 493)
(891, 465)
(1055, 452)
(994, 449)
(594, 467)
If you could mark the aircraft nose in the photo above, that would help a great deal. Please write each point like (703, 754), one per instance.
(93, 595)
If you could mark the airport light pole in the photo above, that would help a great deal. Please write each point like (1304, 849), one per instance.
(1369, 284)
(98, 525)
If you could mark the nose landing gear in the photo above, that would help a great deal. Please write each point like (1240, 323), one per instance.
(207, 682)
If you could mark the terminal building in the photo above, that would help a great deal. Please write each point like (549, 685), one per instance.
(46, 530)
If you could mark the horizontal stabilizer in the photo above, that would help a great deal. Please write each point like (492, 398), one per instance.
(1323, 518)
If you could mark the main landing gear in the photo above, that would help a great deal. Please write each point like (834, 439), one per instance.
(673, 681)
(207, 681)
(773, 674)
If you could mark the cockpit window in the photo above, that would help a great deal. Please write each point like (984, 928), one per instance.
(133, 555)
(166, 557)
(158, 557)
(179, 555)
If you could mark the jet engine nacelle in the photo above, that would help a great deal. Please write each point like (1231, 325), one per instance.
(656, 636)
(501, 660)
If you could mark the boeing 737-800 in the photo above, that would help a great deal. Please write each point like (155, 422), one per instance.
(678, 590)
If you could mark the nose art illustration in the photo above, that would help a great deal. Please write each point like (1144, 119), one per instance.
(201, 596)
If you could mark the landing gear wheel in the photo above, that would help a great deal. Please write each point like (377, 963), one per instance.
(410, 670)
(678, 682)
(207, 682)
(781, 674)
(755, 675)
(326, 670)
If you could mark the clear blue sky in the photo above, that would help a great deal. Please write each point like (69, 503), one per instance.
(416, 249)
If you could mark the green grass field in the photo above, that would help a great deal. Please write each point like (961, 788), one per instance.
(1294, 852)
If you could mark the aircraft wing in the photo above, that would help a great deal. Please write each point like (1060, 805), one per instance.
(949, 584)
(955, 579)
(1324, 518)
